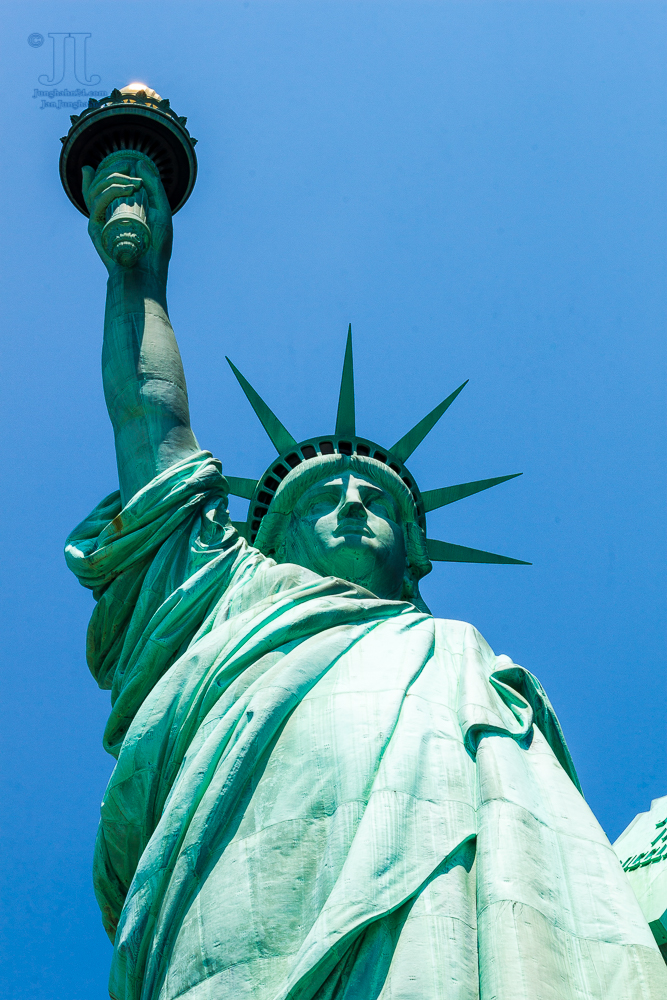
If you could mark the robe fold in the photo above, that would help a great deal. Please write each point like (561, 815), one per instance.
(322, 795)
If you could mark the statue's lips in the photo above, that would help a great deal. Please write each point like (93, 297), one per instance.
(349, 527)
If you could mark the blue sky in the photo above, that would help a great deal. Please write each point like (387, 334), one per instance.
(479, 188)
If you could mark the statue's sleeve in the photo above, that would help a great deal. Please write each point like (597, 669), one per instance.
(156, 568)
(498, 696)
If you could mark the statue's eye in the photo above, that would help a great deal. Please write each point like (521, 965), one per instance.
(380, 505)
(322, 503)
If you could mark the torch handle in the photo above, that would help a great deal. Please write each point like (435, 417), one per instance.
(126, 235)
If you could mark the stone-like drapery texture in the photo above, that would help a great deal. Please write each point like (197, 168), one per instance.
(319, 794)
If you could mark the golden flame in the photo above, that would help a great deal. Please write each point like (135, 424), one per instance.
(134, 88)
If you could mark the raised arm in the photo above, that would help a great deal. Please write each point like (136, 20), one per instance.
(144, 382)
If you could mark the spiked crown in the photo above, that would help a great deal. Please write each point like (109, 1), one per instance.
(345, 441)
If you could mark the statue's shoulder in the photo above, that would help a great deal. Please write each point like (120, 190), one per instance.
(460, 637)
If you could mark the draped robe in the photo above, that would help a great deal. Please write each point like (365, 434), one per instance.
(320, 794)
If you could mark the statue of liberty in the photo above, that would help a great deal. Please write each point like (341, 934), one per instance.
(321, 791)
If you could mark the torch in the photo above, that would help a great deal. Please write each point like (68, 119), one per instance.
(129, 125)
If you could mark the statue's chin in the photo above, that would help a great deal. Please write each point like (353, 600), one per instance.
(354, 557)
(361, 567)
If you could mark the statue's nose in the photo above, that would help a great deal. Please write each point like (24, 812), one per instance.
(353, 507)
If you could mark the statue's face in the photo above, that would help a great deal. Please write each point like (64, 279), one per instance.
(348, 526)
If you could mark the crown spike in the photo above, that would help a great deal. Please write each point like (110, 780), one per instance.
(345, 418)
(280, 437)
(410, 441)
(242, 487)
(433, 499)
(447, 552)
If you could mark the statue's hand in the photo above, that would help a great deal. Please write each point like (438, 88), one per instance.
(101, 187)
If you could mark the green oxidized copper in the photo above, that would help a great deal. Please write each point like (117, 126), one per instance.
(322, 791)
(344, 441)
(118, 132)
(133, 119)
(642, 851)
